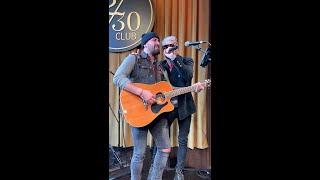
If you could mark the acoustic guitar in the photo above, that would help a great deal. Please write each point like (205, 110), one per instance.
(138, 113)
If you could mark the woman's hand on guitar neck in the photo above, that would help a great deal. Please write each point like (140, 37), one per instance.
(147, 96)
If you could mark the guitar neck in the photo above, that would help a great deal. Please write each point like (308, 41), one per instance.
(179, 91)
(184, 90)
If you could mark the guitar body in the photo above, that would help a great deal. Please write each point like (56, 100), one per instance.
(136, 113)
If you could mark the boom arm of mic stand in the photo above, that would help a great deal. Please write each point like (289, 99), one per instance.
(199, 48)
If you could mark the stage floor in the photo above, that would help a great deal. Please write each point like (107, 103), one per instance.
(189, 174)
(115, 172)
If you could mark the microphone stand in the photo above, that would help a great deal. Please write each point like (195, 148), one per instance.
(118, 120)
(204, 62)
(199, 48)
(206, 55)
(123, 169)
(119, 116)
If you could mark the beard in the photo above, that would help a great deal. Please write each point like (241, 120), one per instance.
(155, 50)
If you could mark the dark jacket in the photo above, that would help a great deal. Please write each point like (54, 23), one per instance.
(181, 76)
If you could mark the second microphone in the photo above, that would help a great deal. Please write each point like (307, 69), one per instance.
(173, 48)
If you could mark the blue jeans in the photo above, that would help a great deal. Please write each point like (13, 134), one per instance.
(160, 133)
(184, 129)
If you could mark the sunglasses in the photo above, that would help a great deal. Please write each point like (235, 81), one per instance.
(168, 45)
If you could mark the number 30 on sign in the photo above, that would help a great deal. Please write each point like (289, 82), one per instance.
(128, 20)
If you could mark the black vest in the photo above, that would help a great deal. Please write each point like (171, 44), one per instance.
(145, 71)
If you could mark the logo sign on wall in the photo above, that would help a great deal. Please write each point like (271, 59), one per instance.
(128, 20)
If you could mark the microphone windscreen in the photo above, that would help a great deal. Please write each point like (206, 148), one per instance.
(187, 43)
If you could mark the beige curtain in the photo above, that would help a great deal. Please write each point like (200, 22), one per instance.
(188, 20)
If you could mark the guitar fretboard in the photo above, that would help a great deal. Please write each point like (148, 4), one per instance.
(180, 91)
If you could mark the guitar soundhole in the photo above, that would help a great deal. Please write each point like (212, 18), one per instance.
(155, 108)
(160, 103)
(160, 98)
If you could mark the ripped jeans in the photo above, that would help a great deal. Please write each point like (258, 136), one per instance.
(184, 129)
(160, 133)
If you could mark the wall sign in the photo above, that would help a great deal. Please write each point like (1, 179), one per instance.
(128, 20)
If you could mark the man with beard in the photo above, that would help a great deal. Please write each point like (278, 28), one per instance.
(143, 68)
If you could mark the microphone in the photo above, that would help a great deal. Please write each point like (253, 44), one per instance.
(188, 43)
(173, 48)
